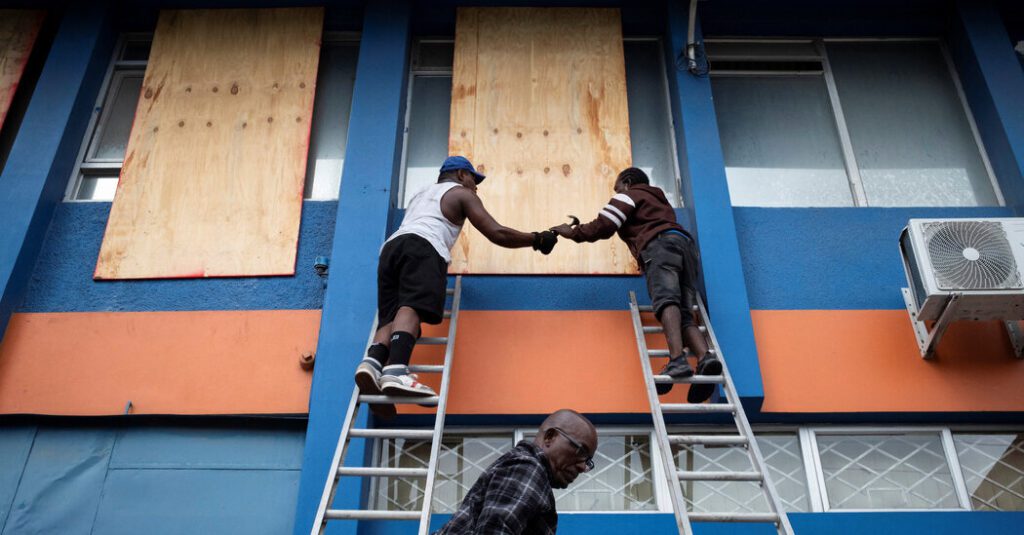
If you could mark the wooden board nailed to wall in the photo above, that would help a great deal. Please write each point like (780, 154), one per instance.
(539, 103)
(213, 174)
(18, 32)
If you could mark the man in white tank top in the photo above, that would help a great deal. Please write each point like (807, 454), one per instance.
(412, 274)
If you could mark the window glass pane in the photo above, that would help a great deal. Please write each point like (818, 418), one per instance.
(749, 50)
(434, 56)
(719, 496)
(649, 115)
(331, 110)
(886, 472)
(136, 50)
(910, 134)
(115, 124)
(779, 142)
(96, 188)
(460, 462)
(993, 468)
(786, 468)
(428, 132)
(620, 481)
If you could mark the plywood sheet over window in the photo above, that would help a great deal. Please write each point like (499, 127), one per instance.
(213, 174)
(539, 103)
(18, 32)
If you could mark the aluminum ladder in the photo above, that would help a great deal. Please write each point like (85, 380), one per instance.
(338, 469)
(745, 437)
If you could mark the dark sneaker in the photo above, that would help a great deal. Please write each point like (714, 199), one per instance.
(677, 368)
(707, 365)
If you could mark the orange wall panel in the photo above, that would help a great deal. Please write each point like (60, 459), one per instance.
(534, 362)
(868, 361)
(207, 362)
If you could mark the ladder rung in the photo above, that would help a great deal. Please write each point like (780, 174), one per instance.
(447, 314)
(383, 432)
(433, 340)
(400, 400)
(657, 352)
(733, 517)
(653, 330)
(426, 368)
(348, 514)
(710, 440)
(645, 308)
(697, 407)
(697, 475)
(450, 291)
(692, 380)
(374, 471)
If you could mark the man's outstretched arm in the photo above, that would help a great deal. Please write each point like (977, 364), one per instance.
(498, 234)
(604, 226)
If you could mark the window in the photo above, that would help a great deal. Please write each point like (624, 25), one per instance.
(429, 108)
(812, 470)
(993, 470)
(846, 123)
(885, 471)
(96, 175)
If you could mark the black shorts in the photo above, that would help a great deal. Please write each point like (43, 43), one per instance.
(411, 274)
(670, 267)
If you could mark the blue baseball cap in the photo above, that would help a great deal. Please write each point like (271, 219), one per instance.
(454, 163)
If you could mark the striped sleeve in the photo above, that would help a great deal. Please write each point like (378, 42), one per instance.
(609, 219)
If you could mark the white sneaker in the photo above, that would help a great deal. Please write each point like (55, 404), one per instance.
(368, 378)
(404, 385)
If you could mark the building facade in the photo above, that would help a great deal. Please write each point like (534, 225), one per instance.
(808, 136)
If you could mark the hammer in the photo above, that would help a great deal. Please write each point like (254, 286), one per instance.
(575, 221)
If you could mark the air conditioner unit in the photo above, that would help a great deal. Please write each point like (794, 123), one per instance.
(963, 269)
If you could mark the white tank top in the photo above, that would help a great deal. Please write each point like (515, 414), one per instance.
(424, 218)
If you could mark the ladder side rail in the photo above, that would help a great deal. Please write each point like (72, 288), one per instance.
(676, 493)
(442, 405)
(740, 416)
(331, 486)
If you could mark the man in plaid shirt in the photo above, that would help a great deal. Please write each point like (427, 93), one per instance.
(514, 495)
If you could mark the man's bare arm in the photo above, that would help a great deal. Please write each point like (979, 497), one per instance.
(472, 208)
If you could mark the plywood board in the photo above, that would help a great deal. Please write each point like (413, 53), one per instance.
(214, 171)
(539, 105)
(18, 32)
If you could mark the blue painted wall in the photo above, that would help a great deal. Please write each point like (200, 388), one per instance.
(62, 279)
(830, 258)
(366, 197)
(148, 479)
(936, 523)
(43, 153)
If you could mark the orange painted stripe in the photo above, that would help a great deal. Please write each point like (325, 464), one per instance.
(209, 362)
(534, 362)
(868, 361)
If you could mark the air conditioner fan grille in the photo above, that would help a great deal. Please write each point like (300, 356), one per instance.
(971, 255)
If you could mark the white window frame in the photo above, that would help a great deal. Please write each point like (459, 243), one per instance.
(117, 69)
(415, 71)
(806, 438)
(849, 158)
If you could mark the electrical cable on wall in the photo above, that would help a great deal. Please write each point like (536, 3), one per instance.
(693, 55)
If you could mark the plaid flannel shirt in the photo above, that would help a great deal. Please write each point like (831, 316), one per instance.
(512, 497)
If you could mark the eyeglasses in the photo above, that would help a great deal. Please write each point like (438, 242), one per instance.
(581, 450)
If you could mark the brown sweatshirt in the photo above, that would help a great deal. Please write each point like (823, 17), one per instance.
(638, 215)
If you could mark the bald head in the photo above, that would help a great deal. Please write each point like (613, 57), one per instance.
(568, 441)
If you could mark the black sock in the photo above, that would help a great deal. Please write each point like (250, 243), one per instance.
(378, 352)
(401, 348)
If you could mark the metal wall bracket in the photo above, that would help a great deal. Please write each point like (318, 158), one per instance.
(1016, 338)
(927, 340)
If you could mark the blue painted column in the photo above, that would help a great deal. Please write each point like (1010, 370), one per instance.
(994, 85)
(709, 212)
(371, 163)
(44, 151)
